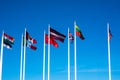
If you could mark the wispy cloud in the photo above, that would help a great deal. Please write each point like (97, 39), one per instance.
(94, 70)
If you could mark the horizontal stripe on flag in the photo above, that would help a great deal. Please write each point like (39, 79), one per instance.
(110, 34)
(7, 45)
(56, 35)
(29, 38)
(52, 41)
(8, 37)
(71, 36)
(8, 41)
(79, 33)
(31, 46)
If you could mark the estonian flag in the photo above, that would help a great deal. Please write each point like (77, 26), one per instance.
(8, 41)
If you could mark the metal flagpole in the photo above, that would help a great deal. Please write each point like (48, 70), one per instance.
(49, 52)
(1, 57)
(24, 55)
(21, 61)
(68, 56)
(109, 62)
(44, 58)
(75, 62)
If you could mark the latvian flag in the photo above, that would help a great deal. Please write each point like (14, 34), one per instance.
(30, 41)
(56, 35)
(52, 41)
(8, 41)
(79, 33)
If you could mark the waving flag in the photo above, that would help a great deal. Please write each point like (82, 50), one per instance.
(29, 38)
(110, 34)
(79, 33)
(52, 41)
(30, 41)
(31, 46)
(8, 37)
(56, 35)
(8, 41)
(71, 37)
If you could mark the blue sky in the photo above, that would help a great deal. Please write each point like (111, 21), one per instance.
(91, 16)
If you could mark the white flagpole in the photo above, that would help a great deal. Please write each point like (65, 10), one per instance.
(44, 58)
(49, 52)
(68, 56)
(75, 62)
(24, 55)
(109, 62)
(21, 63)
(1, 57)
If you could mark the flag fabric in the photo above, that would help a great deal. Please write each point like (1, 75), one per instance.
(79, 33)
(7, 44)
(31, 46)
(71, 37)
(52, 41)
(57, 35)
(8, 37)
(29, 38)
(8, 41)
(29, 41)
(110, 34)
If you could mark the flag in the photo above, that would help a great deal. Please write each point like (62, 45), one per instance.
(110, 34)
(52, 41)
(29, 41)
(8, 41)
(7, 44)
(29, 38)
(8, 37)
(79, 33)
(56, 35)
(71, 37)
(31, 46)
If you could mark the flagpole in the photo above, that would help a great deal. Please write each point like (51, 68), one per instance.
(21, 67)
(75, 62)
(1, 56)
(68, 55)
(49, 52)
(44, 58)
(24, 55)
(109, 62)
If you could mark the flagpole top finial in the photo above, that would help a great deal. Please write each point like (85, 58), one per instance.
(108, 24)
(44, 31)
(68, 29)
(48, 24)
(74, 22)
(3, 31)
